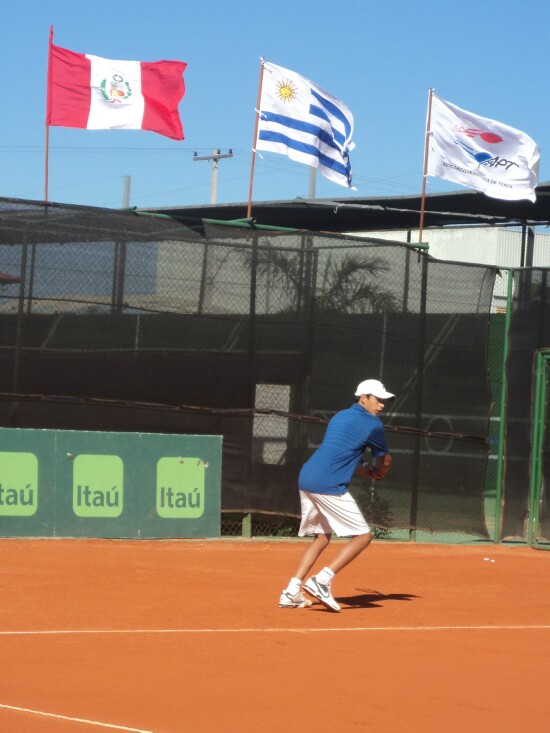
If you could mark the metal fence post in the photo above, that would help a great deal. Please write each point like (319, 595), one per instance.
(537, 445)
(19, 328)
(247, 525)
(420, 397)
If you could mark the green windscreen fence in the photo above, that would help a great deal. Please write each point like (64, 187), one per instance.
(543, 507)
(111, 321)
(529, 332)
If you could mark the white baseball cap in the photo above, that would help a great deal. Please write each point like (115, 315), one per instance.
(374, 387)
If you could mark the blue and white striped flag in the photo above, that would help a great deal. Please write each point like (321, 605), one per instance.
(299, 119)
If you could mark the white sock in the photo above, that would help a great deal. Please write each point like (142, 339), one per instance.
(294, 586)
(325, 576)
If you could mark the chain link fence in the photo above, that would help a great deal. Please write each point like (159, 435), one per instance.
(115, 321)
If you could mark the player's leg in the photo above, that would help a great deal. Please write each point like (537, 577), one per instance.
(350, 550)
(313, 523)
(311, 554)
(292, 596)
(346, 520)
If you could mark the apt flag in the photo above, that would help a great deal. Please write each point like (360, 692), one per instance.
(101, 94)
(299, 119)
(480, 153)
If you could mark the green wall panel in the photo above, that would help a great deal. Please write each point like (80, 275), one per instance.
(94, 484)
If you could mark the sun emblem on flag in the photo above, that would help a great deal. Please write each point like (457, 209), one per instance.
(286, 91)
(116, 89)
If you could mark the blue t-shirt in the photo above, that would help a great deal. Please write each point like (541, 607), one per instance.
(349, 433)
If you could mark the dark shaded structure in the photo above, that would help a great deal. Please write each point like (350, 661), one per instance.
(127, 322)
(363, 214)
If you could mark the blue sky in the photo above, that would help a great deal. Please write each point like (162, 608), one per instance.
(485, 56)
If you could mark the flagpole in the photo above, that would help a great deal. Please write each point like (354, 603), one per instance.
(46, 157)
(426, 150)
(48, 103)
(253, 161)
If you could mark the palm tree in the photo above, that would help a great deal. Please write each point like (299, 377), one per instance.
(349, 286)
(344, 284)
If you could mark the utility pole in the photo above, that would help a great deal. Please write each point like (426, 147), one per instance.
(215, 158)
(126, 194)
(312, 180)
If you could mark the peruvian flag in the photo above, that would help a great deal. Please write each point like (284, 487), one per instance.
(100, 94)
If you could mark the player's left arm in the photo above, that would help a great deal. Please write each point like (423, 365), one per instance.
(381, 466)
(377, 469)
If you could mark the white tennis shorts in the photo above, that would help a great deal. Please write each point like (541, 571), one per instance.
(327, 513)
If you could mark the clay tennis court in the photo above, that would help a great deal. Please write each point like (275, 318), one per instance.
(175, 636)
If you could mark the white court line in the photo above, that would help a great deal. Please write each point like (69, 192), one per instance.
(75, 720)
(285, 630)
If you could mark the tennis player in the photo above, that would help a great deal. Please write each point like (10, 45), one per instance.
(327, 506)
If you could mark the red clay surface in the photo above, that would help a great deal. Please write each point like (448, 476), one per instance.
(180, 636)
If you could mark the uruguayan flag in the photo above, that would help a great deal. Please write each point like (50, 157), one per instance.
(298, 119)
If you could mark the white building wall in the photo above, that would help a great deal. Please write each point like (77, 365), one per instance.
(478, 245)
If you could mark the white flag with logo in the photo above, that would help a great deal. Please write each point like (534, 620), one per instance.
(480, 153)
(299, 119)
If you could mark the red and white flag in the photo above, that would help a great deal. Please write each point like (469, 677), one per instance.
(100, 94)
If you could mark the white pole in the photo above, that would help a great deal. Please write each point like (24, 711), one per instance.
(312, 181)
(126, 195)
(215, 158)
(425, 171)
(214, 189)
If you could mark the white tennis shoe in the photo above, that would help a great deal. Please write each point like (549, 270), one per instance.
(321, 592)
(298, 600)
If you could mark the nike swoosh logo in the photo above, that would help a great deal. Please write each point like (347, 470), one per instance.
(323, 592)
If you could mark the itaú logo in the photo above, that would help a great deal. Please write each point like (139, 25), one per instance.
(180, 487)
(483, 157)
(18, 484)
(98, 486)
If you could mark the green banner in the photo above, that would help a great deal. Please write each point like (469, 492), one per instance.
(91, 484)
